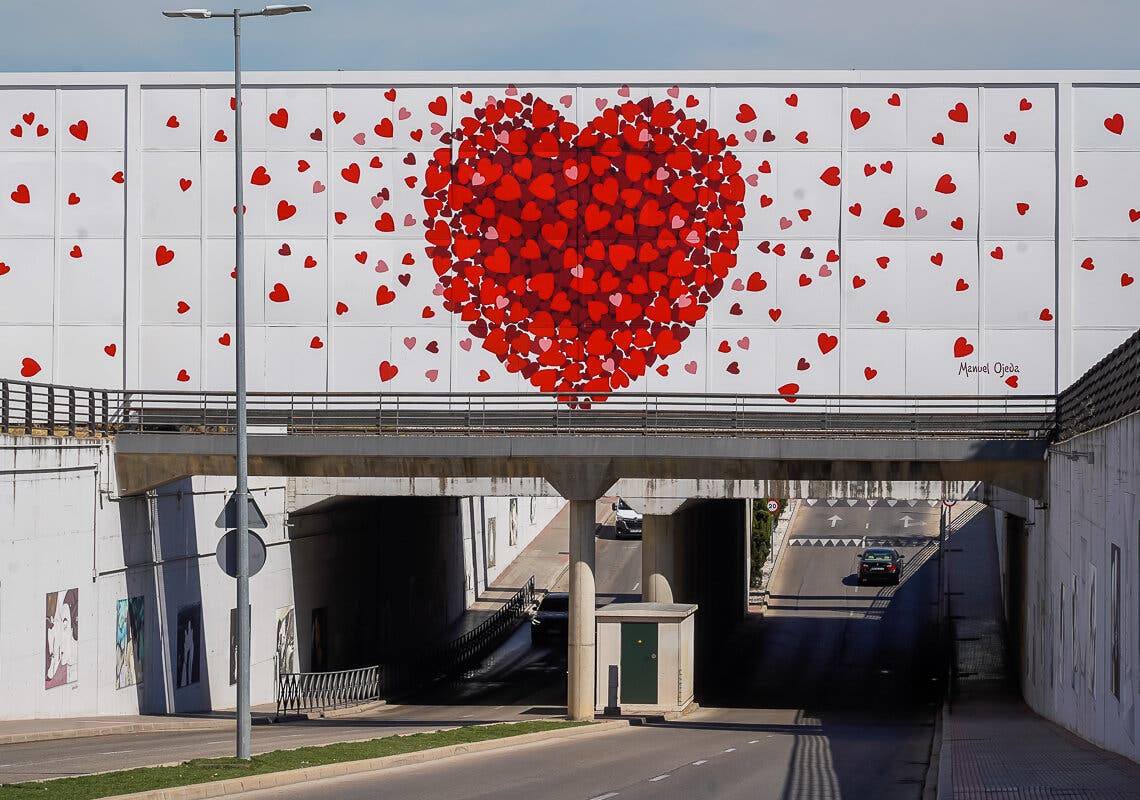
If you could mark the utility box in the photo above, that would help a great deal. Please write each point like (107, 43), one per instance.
(645, 657)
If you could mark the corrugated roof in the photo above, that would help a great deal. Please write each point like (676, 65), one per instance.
(1109, 391)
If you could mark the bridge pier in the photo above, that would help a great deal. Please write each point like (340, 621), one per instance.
(658, 542)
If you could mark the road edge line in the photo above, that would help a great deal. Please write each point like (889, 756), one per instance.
(272, 780)
(112, 730)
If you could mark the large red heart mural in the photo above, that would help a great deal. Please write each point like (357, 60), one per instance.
(582, 257)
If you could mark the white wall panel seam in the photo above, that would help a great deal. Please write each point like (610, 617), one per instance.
(1063, 288)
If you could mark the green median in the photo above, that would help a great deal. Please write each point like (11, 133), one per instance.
(205, 770)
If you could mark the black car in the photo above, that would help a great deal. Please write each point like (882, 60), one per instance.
(552, 619)
(880, 564)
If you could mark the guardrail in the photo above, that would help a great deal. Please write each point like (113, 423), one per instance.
(42, 408)
(302, 692)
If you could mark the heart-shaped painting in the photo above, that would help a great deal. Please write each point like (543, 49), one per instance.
(582, 257)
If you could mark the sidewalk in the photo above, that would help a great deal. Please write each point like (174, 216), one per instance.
(42, 730)
(993, 745)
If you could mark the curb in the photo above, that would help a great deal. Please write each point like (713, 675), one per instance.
(110, 730)
(935, 782)
(271, 780)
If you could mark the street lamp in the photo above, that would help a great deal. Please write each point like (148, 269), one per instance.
(241, 494)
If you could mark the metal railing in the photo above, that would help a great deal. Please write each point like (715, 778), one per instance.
(42, 408)
(303, 692)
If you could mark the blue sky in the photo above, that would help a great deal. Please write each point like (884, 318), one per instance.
(102, 35)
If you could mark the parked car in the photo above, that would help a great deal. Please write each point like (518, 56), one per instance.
(627, 522)
(551, 620)
(880, 564)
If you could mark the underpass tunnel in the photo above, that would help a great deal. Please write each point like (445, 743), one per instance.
(374, 578)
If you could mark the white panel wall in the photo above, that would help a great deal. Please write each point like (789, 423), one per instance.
(916, 224)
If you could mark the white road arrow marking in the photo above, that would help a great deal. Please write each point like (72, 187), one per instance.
(834, 518)
(906, 520)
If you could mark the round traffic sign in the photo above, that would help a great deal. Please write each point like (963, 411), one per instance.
(227, 553)
(948, 502)
(773, 506)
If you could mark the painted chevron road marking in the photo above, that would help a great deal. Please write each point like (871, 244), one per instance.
(859, 541)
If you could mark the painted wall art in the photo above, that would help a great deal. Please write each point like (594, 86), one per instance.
(129, 641)
(286, 640)
(61, 629)
(758, 236)
(188, 652)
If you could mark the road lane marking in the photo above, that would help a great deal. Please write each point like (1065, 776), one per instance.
(702, 761)
(605, 796)
(730, 750)
(754, 741)
(116, 752)
(658, 778)
(636, 585)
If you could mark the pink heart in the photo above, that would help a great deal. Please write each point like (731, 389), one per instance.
(432, 374)
(358, 138)
(601, 103)
(318, 187)
(438, 290)
(825, 271)
(404, 113)
(750, 134)
(691, 368)
(567, 100)
(743, 343)
(409, 342)
(785, 223)
(436, 129)
(738, 285)
(377, 201)
(752, 180)
(465, 344)
(919, 212)
(409, 221)
(381, 266)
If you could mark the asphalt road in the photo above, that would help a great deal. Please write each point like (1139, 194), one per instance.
(832, 696)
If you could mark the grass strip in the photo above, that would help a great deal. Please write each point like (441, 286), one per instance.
(205, 770)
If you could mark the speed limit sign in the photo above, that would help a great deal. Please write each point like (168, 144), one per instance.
(773, 506)
(946, 501)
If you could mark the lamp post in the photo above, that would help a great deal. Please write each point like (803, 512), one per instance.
(241, 493)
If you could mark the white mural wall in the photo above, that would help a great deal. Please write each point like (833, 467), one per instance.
(747, 232)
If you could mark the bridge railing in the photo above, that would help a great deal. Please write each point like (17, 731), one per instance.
(30, 408)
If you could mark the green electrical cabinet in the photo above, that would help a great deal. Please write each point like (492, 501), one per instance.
(645, 657)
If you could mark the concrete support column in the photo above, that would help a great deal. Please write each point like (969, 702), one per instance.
(580, 658)
(657, 558)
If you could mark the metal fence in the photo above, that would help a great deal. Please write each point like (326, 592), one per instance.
(42, 408)
(304, 692)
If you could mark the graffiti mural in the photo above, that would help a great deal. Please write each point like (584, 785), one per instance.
(188, 652)
(129, 649)
(286, 639)
(62, 638)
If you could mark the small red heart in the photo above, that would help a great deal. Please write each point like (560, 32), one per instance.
(119, 177)
(316, 343)
(302, 165)
(483, 376)
(883, 261)
(765, 167)
(957, 223)
(961, 286)
(1011, 137)
(855, 209)
(962, 348)
(804, 280)
(1115, 124)
(233, 103)
(185, 183)
(79, 130)
(110, 349)
(830, 176)
(883, 317)
(858, 282)
(384, 295)
(803, 364)
(279, 118)
(894, 100)
(22, 195)
(404, 278)
(361, 257)
(792, 100)
(887, 167)
(340, 217)
(765, 201)
(945, 185)
(733, 368)
(1046, 315)
(746, 114)
(438, 106)
(30, 117)
(1088, 264)
(316, 135)
(859, 118)
(427, 313)
(285, 209)
(220, 136)
(172, 122)
(284, 249)
(183, 376)
(1126, 279)
(260, 177)
(936, 259)
(338, 117)
(938, 139)
(775, 313)
(16, 130)
(385, 224)
(1023, 209)
(182, 307)
(163, 255)
(41, 130)
(224, 340)
(76, 252)
(869, 170)
(1011, 381)
(997, 253)
(341, 308)
(1025, 104)
(1133, 215)
(390, 95)
(894, 219)
(29, 367)
(1081, 182)
(4, 268)
(73, 199)
(432, 346)
(789, 390)
(869, 373)
(279, 293)
(351, 173)
(826, 342)
(959, 113)
(802, 137)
